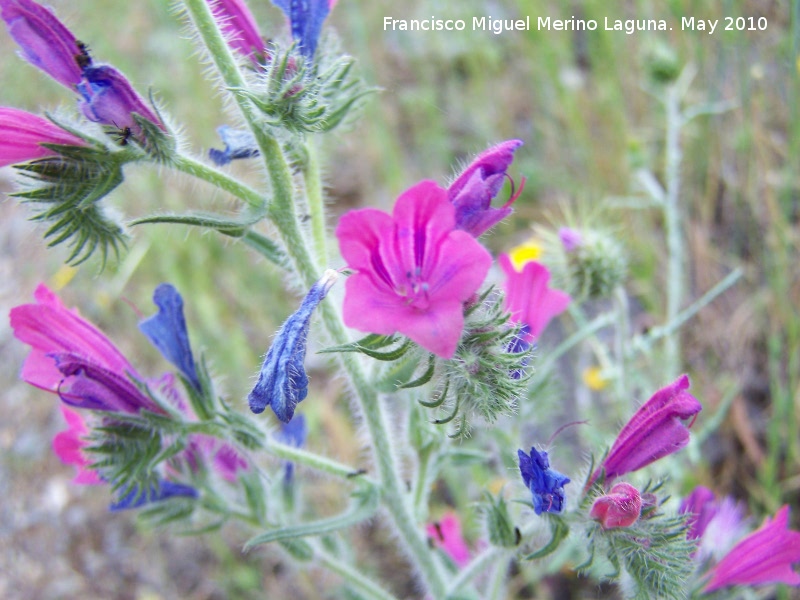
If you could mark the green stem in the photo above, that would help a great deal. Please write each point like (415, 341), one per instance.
(195, 168)
(622, 335)
(475, 567)
(353, 576)
(587, 330)
(394, 495)
(316, 205)
(315, 461)
(643, 344)
(672, 226)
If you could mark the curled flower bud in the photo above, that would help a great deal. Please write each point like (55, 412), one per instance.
(22, 135)
(283, 382)
(621, 507)
(473, 191)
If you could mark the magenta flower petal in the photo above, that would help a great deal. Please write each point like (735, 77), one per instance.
(446, 534)
(529, 298)
(473, 191)
(44, 41)
(51, 328)
(765, 556)
(68, 446)
(701, 505)
(22, 135)
(414, 271)
(239, 27)
(655, 430)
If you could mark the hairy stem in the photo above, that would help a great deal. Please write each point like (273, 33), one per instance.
(316, 205)
(283, 215)
(215, 177)
(672, 226)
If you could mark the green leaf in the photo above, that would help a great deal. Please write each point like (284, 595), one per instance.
(367, 345)
(364, 507)
(559, 530)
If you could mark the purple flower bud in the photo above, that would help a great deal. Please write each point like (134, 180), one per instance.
(306, 19)
(473, 191)
(22, 135)
(109, 99)
(283, 382)
(621, 507)
(655, 430)
(239, 27)
(571, 239)
(545, 484)
(167, 332)
(44, 41)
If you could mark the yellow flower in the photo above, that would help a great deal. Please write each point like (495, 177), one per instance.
(593, 379)
(62, 277)
(525, 253)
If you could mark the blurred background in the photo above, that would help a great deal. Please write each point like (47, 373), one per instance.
(585, 104)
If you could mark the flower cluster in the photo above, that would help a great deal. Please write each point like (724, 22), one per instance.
(70, 357)
(106, 95)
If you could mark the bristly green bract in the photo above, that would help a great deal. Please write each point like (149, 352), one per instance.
(654, 553)
(479, 376)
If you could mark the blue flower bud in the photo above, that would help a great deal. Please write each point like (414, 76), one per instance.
(166, 330)
(283, 382)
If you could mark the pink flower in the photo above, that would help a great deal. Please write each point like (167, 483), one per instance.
(654, 431)
(473, 191)
(621, 507)
(446, 534)
(239, 27)
(72, 358)
(22, 135)
(414, 271)
(68, 446)
(764, 556)
(528, 297)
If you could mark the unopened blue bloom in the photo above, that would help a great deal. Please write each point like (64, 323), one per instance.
(167, 331)
(283, 382)
(157, 492)
(292, 433)
(306, 18)
(238, 144)
(545, 484)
